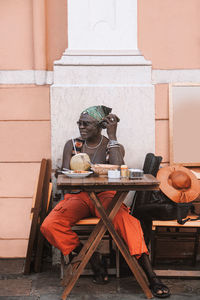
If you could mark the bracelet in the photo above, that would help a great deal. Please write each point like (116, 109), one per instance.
(112, 143)
(114, 146)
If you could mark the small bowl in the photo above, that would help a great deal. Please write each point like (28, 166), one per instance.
(102, 169)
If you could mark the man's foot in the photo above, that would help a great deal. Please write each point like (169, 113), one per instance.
(158, 289)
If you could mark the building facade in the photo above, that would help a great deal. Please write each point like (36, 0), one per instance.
(43, 62)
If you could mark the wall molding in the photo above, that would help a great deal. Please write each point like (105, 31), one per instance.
(176, 76)
(42, 77)
(38, 77)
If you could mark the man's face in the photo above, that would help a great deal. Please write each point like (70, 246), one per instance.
(88, 127)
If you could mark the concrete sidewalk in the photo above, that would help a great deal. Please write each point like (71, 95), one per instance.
(47, 286)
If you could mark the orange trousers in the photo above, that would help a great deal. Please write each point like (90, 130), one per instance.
(57, 225)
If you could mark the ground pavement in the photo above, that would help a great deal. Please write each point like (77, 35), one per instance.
(46, 286)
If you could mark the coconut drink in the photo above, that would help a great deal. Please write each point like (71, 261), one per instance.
(80, 162)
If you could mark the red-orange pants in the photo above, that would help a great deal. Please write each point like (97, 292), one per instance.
(57, 226)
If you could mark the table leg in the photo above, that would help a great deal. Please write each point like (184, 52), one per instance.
(131, 261)
(90, 246)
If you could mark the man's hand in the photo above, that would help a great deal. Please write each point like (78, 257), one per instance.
(110, 122)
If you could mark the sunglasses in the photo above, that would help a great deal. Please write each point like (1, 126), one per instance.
(86, 123)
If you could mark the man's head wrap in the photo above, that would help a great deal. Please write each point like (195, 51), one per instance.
(98, 112)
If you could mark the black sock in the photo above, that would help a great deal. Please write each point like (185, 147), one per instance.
(95, 260)
(146, 266)
(78, 248)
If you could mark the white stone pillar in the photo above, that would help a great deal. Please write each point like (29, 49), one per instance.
(102, 25)
(102, 65)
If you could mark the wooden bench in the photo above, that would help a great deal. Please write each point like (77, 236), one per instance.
(176, 234)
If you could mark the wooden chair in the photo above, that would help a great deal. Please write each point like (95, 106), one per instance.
(39, 210)
(141, 198)
(176, 235)
(83, 229)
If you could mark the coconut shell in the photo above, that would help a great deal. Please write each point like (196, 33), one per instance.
(80, 162)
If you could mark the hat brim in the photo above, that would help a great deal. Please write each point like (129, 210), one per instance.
(175, 195)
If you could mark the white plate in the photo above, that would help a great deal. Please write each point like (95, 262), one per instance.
(76, 175)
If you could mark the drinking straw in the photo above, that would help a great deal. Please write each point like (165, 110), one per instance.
(74, 146)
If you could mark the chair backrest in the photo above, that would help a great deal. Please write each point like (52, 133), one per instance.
(38, 213)
(151, 166)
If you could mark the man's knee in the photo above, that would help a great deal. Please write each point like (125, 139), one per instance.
(49, 225)
(46, 226)
(53, 226)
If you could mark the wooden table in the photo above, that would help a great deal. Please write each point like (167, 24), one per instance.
(93, 185)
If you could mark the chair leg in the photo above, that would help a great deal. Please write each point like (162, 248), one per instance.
(153, 246)
(196, 246)
(62, 265)
(117, 264)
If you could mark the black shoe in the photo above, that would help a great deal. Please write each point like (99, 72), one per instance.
(159, 289)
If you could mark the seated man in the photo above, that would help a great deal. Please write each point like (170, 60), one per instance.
(57, 226)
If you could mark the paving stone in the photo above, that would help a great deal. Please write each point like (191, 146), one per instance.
(11, 266)
(15, 287)
(18, 298)
(46, 283)
(47, 286)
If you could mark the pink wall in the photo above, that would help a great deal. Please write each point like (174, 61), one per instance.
(16, 51)
(162, 121)
(169, 33)
(56, 30)
(35, 39)
(25, 140)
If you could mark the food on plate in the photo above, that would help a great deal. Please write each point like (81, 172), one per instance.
(102, 169)
(80, 162)
(80, 171)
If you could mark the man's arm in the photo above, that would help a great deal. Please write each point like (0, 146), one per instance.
(116, 155)
(116, 150)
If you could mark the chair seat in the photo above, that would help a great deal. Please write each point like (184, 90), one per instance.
(88, 221)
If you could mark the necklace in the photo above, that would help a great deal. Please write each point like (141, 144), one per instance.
(96, 145)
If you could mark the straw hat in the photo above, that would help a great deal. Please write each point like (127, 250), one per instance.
(178, 183)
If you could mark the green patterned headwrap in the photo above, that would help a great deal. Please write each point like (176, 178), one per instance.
(98, 112)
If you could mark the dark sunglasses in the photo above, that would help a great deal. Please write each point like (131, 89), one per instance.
(86, 124)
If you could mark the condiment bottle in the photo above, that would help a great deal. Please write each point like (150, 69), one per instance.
(124, 171)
